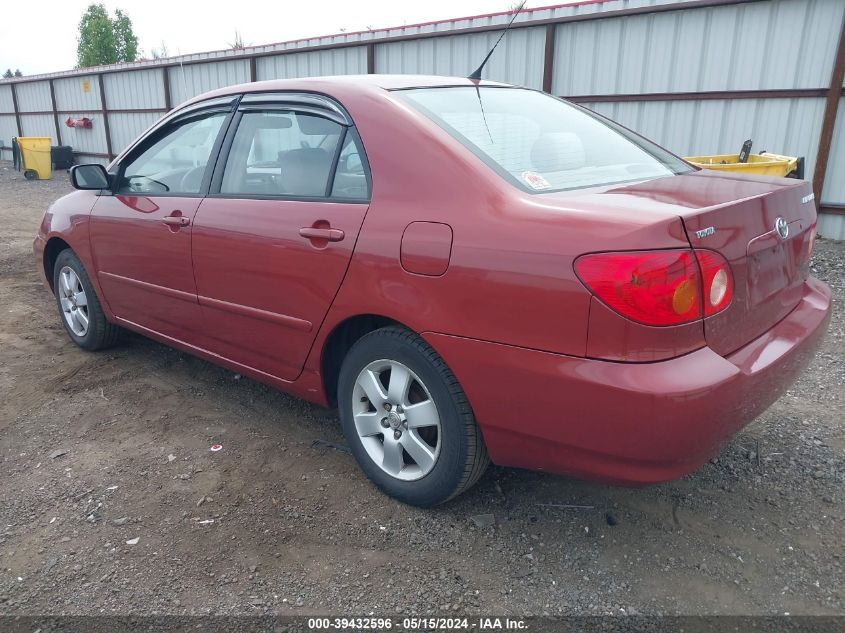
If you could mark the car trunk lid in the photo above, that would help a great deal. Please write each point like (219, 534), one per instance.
(761, 226)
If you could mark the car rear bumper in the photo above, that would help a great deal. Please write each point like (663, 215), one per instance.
(628, 423)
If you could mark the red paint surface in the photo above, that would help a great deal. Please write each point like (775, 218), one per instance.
(537, 354)
(252, 255)
(426, 248)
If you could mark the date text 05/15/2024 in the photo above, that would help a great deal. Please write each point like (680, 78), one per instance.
(418, 623)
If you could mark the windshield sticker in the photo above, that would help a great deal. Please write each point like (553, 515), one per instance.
(535, 180)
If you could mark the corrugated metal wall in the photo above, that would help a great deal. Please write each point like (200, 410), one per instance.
(692, 128)
(34, 97)
(127, 126)
(648, 71)
(519, 58)
(834, 184)
(38, 125)
(86, 140)
(8, 127)
(757, 46)
(77, 93)
(189, 81)
(8, 130)
(6, 104)
(337, 61)
(131, 91)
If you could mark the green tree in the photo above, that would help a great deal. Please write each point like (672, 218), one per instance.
(124, 36)
(103, 40)
(96, 44)
(18, 73)
(8, 74)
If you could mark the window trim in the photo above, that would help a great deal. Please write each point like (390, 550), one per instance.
(352, 132)
(203, 110)
(335, 159)
(306, 102)
(279, 102)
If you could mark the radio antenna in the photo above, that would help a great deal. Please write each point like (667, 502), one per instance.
(476, 75)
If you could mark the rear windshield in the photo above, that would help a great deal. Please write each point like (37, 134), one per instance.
(541, 143)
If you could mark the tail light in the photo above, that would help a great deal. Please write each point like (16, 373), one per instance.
(659, 287)
(718, 283)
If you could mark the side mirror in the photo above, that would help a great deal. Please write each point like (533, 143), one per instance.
(89, 177)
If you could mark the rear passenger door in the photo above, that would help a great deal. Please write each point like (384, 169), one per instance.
(273, 239)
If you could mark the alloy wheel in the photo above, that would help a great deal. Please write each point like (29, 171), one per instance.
(396, 419)
(73, 300)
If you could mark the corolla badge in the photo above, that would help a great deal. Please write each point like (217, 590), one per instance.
(782, 228)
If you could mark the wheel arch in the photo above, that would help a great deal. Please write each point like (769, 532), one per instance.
(52, 248)
(340, 340)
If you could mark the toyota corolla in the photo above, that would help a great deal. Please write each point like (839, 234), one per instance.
(469, 271)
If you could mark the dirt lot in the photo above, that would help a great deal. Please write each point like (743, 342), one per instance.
(297, 528)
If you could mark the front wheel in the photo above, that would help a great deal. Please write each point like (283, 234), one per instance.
(79, 307)
(407, 419)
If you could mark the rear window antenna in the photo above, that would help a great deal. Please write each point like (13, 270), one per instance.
(476, 74)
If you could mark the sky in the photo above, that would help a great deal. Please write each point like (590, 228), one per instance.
(36, 45)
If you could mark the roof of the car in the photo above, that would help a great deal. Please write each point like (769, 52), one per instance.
(386, 82)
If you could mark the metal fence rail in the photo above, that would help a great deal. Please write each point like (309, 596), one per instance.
(697, 76)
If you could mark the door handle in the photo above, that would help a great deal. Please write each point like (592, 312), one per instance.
(176, 220)
(314, 233)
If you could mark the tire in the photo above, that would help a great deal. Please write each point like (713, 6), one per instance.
(442, 452)
(73, 305)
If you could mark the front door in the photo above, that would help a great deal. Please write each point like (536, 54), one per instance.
(273, 239)
(141, 235)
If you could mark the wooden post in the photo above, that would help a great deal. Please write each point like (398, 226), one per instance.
(371, 58)
(253, 71)
(17, 110)
(831, 106)
(165, 85)
(55, 114)
(549, 59)
(105, 113)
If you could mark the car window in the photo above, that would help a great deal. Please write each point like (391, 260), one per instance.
(281, 154)
(176, 162)
(350, 179)
(542, 143)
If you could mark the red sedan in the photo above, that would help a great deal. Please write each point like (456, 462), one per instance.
(469, 271)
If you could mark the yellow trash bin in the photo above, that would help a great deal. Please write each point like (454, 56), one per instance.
(764, 164)
(35, 154)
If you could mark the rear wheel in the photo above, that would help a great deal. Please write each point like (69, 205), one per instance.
(407, 419)
(79, 307)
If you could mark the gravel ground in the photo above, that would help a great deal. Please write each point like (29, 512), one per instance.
(112, 503)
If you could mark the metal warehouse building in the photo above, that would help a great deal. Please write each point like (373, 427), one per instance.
(697, 76)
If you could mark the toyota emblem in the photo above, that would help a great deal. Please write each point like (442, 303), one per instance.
(782, 228)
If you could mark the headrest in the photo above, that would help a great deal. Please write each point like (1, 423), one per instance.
(304, 157)
(316, 125)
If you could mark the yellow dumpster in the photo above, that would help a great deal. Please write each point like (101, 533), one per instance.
(35, 153)
(764, 164)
